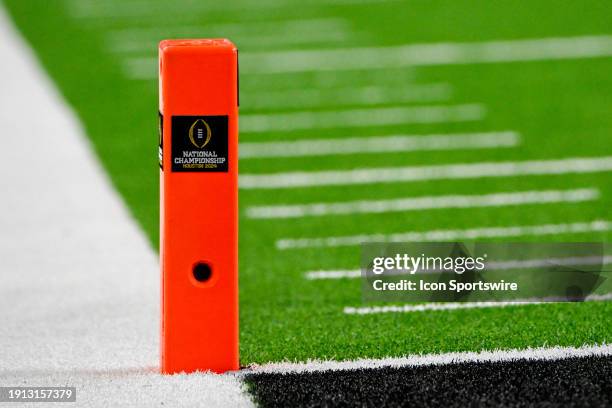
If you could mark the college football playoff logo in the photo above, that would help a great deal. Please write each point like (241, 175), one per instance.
(200, 133)
(195, 148)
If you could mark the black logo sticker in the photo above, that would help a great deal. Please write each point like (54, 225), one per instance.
(160, 131)
(199, 143)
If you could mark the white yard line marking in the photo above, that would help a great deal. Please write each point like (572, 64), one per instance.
(327, 81)
(146, 68)
(423, 203)
(348, 96)
(540, 49)
(379, 144)
(140, 67)
(371, 144)
(276, 122)
(484, 356)
(426, 307)
(134, 9)
(573, 165)
(334, 274)
(248, 34)
(79, 282)
(490, 266)
(240, 28)
(542, 263)
(537, 49)
(143, 67)
(310, 37)
(449, 235)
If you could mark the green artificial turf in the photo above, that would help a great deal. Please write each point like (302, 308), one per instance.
(560, 108)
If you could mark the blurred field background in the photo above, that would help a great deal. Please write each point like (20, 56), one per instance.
(350, 87)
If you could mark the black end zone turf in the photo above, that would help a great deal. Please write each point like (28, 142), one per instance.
(574, 382)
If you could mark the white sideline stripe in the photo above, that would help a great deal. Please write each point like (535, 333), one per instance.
(449, 235)
(350, 96)
(535, 49)
(490, 266)
(573, 165)
(79, 282)
(426, 307)
(393, 143)
(295, 31)
(423, 203)
(484, 356)
(361, 117)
